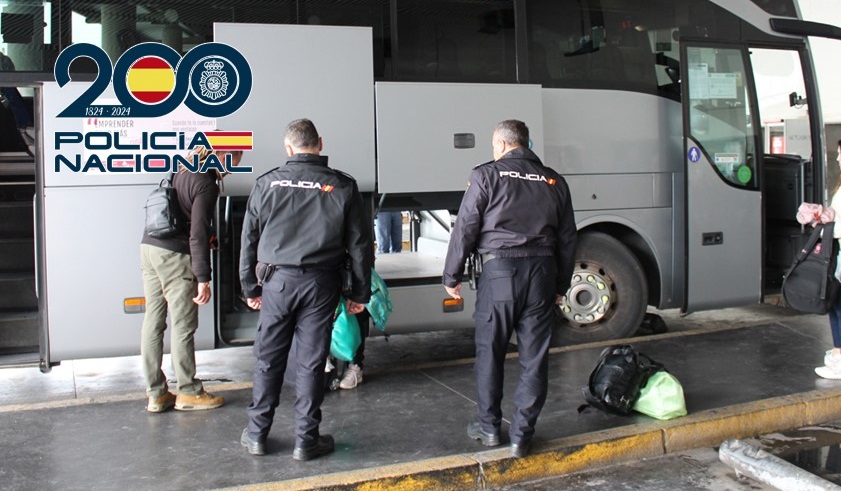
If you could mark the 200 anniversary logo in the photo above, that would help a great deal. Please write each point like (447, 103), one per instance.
(152, 80)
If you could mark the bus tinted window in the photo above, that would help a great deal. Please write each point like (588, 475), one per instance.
(27, 40)
(783, 8)
(619, 44)
(456, 41)
(33, 33)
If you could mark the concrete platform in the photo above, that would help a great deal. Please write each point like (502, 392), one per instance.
(404, 428)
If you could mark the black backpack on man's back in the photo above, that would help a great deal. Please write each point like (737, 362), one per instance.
(164, 218)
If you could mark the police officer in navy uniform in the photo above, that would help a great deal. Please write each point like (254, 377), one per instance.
(302, 222)
(517, 214)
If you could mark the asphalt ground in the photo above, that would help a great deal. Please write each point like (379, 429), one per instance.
(745, 372)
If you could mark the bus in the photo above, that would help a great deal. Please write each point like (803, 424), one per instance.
(689, 131)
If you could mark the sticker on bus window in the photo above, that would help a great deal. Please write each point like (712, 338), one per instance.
(727, 158)
(744, 174)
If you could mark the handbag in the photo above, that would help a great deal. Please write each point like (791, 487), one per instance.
(661, 397)
(810, 285)
(346, 337)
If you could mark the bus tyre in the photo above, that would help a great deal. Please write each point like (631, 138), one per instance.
(608, 295)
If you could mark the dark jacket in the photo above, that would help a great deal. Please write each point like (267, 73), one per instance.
(514, 206)
(197, 195)
(305, 214)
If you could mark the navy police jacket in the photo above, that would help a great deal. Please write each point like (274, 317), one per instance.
(305, 214)
(514, 204)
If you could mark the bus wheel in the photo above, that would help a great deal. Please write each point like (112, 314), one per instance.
(608, 295)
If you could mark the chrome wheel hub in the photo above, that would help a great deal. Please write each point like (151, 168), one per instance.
(590, 296)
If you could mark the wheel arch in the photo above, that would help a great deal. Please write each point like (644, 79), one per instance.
(637, 243)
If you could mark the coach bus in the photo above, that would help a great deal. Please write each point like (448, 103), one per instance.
(689, 131)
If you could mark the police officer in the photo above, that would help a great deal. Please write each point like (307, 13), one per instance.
(301, 223)
(517, 214)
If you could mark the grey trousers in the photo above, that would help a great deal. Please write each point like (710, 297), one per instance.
(169, 286)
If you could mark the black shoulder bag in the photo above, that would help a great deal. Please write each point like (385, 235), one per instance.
(810, 285)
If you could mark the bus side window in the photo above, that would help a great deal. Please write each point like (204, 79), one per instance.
(452, 41)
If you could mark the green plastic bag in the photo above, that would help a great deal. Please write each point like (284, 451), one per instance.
(380, 306)
(346, 336)
(661, 397)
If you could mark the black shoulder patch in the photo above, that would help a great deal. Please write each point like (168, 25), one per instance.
(484, 163)
(267, 172)
(342, 173)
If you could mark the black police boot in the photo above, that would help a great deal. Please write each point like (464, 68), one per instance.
(520, 449)
(254, 447)
(323, 446)
(475, 432)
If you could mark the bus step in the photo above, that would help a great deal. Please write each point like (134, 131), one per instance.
(16, 217)
(17, 291)
(17, 255)
(18, 332)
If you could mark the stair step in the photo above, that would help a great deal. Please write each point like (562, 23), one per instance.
(17, 255)
(17, 291)
(17, 192)
(16, 217)
(18, 331)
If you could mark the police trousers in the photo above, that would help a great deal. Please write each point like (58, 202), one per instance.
(514, 295)
(298, 306)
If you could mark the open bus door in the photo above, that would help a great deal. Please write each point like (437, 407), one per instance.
(722, 155)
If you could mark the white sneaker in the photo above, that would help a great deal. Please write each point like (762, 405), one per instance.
(830, 372)
(353, 377)
(831, 359)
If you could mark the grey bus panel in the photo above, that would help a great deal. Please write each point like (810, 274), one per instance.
(416, 124)
(333, 67)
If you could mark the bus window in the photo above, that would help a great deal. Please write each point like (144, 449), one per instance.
(777, 7)
(719, 113)
(26, 35)
(182, 24)
(582, 43)
(452, 41)
(364, 13)
(621, 44)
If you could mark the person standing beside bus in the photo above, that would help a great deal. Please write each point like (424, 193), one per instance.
(302, 222)
(527, 253)
(832, 359)
(176, 280)
(389, 229)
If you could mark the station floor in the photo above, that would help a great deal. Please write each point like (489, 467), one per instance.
(84, 426)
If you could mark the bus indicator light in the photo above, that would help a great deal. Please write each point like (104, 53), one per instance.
(134, 305)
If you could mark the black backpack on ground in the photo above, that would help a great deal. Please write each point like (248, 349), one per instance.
(810, 285)
(164, 218)
(616, 381)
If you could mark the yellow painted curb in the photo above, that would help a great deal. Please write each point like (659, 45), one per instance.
(571, 454)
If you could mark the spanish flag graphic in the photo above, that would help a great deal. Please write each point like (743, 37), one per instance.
(150, 79)
(230, 140)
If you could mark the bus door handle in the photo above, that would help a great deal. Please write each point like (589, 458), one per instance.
(712, 238)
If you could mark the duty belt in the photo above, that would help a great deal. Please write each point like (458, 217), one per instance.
(517, 253)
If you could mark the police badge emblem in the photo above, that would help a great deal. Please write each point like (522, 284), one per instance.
(213, 81)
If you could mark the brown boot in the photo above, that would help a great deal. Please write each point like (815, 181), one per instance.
(204, 400)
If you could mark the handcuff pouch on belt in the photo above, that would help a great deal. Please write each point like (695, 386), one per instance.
(264, 272)
(474, 269)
